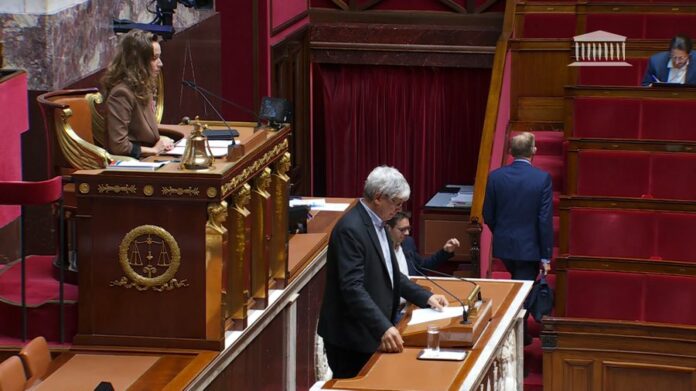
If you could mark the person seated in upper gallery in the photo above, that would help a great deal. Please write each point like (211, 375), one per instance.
(405, 247)
(678, 65)
(129, 86)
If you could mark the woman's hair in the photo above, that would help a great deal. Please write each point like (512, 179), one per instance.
(680, 42)
(131, 65)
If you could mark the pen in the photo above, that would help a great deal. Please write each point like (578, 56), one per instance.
(655, 78)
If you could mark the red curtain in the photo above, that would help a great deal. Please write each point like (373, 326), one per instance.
(424, 121)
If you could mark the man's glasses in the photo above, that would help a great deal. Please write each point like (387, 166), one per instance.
(679, 58)
(404, 229)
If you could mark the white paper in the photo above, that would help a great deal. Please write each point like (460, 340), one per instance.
(211, 143)
(443, 354)
(179, 151)
(312, 203)
(424, 315)
(332, 207)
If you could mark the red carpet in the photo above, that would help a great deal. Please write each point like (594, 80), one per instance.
(42, 300)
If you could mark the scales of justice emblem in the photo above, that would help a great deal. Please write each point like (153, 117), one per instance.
(150, 257)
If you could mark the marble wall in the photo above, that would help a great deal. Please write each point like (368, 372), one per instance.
(61, 41)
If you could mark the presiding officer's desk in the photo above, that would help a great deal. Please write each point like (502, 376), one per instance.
(193, 277)
(495, 361)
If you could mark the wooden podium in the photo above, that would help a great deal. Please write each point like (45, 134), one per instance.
(173, 258)
(495, 356)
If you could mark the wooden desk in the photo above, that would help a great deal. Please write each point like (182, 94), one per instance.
(496, 357)
(172, 258)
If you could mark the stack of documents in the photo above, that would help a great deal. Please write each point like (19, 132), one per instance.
(135, 165)
(217, 147)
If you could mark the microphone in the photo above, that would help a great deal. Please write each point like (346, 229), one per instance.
(477, 288)
(194, 87)
(218, 97)
(465, 312)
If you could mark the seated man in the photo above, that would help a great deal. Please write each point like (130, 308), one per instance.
(678, 65)
(405, 247)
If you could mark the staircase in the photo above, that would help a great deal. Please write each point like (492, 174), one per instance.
(42, 297)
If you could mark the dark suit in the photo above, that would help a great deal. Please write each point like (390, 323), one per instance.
(518, 209)
(414, 259)
(129, 123)
(657, 66)
(359, 301)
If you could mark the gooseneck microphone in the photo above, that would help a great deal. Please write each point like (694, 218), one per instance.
(465, 312)
(478, 298)
(194, 87)
(218, 97)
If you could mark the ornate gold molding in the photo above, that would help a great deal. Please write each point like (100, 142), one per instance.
(148, 190)
(84, 188)
(145, 270)
(211, 192)
(179, 191)
(106, 188)
(255, 166)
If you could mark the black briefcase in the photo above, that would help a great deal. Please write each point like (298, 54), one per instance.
(540, 299)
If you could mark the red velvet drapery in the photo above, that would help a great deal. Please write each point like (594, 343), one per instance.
(424, 121)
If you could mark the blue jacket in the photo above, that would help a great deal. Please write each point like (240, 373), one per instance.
(657, 66)
(413, 259)
(518, 209)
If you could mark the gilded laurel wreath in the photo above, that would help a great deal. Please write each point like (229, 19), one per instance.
(149, 256)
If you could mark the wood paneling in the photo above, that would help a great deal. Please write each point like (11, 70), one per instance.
(290, 80)
(618, 355)
(639, 377)
(577, 375)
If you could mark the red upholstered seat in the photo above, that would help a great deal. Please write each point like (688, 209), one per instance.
(613, 76)
(613, 173)
(549, 26)
(666, 26)
(669, 120)
(670, 299)
(629, 25)
(673, 176)
(611, 233)
(606, 118)
(675, 236)
(604, 295)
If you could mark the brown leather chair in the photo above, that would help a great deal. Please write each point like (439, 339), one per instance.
(68, 119)
(12, 377)
(36, 359)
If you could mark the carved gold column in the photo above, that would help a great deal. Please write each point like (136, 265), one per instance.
(236, 292)
(278, 253)
(260, 230)
(215, 252)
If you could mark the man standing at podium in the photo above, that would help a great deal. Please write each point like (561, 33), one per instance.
(518, 209)
(363, 282)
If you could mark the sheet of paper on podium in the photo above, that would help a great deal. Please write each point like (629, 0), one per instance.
(217, 147)
(425, 315)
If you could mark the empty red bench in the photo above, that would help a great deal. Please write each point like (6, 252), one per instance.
(613, 76)
(640, 119)
(631, 296)
(622, 233)
(637, 174)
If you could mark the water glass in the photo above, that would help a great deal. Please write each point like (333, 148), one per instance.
(433, 339)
